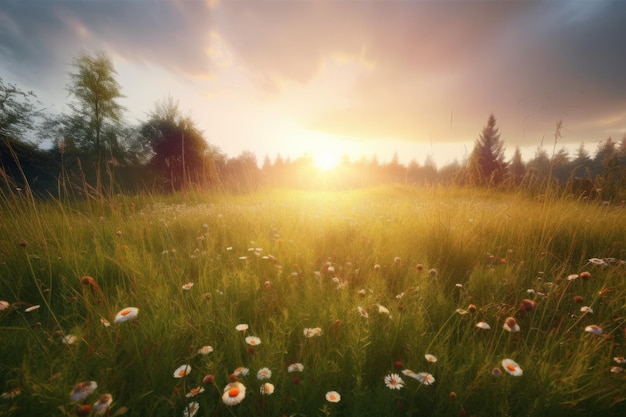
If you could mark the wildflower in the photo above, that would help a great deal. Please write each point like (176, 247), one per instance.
(397, 260)
(264, 373)
(69, 339)
(578, 299)
(83, 410)
(597, 261)
(4, 305)
(512, 367)
(11, 393)
(419, 267)
(531, 291)
(295, 367)
(241, 371)
(483, 325)
(452, 396)
(592, 328)
(205, 350)
(585, 275)
(241, 327)
(362, 312)
(194, 391)
(461, 311)
(234, 393)
(126, 314)
(83, 390)
(182, 370)
(376, 267)
(333, 397)
(398, 365)
(399, 296)
(393, 381)
(32, 308)
(616, 369)
(425, 378)
(208, 379)
(310, 332)
(430, 358)
(191, 409)
(458, 285)
(510, 325)
(527, 305)
(619, 359)
(295, 380)
(586, 310)
(471, 308)
(253, 340)
(496, 372)
(383, 310)
(187, 286)
(267, 389)
(105, 322)
(432, 272)
(572, 277)
(101, 406)
(409, 373)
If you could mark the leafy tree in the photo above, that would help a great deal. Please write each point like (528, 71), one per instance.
(176, 148)
(487, 163)
(17, 112)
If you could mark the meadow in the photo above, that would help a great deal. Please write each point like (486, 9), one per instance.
(391, 301)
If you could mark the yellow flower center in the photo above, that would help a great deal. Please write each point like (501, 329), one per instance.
(333, 397)
(125, 312)
(181, 373)
(233, 392)
(510, 368)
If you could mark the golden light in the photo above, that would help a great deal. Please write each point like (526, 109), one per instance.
(326, 161)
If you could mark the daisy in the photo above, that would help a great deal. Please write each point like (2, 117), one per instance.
(4, 305)
(241, 371)
(295, 367)
(101, 406)
(393, 381)
(105, 322)
(11, 393)
(126, 314)
(264, 373)
(483, 325)
(597, 261)
(187, 286)
(241, 327)
(234, 393)
(461, 311)
(512, 367)
(430, 358)
(182, 370)
(267, 389)
(620, 360)
(310, 332)
(333, 396)
(586, 310)
(362, 312)
(194, 391)
(572, 277)
(409, 373)
(616, 369)
(425, 378)
(83, 390)
(32, 308)
(205, 350)
(594, 329)
(69, 339)
(253, 340)
(191, 409)
(510, 325)
(383, 310)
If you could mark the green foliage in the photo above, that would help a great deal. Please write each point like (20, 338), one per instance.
(284, 261)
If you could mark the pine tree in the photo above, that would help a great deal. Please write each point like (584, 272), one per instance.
(487, 163)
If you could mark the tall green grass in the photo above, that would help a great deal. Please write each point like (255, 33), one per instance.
(283, 261)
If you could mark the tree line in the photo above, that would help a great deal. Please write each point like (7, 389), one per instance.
(90, 151)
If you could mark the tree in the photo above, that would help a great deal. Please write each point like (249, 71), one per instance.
(177, 149)
(487, 163)
(516, 169)
(17, 112)
(96, 91)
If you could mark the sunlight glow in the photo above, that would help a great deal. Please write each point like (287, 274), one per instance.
(326, 161)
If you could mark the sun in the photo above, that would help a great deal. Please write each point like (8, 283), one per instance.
(325, 161)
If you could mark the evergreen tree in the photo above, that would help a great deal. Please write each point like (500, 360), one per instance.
(516, 168)
(487, 163)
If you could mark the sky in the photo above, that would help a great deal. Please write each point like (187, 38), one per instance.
(358, 77)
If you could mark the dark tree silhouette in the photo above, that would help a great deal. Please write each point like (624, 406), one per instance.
(487, 163)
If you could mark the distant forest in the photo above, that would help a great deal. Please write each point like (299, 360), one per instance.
(91, 150)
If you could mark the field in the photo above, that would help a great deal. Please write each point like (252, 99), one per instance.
(381, 302)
